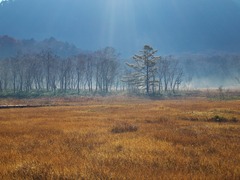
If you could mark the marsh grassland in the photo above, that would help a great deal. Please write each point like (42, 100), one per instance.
(120, 138)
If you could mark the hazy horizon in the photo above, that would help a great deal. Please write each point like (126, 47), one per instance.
(169, 26)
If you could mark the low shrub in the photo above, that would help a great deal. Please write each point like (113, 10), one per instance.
(234, 120)
(218, 119)
(124, 127)
(223, 119)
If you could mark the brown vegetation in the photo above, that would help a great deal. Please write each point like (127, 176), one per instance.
(76, 139)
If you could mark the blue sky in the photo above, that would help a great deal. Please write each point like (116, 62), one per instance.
(172, 26)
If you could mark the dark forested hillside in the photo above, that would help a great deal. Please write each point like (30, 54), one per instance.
(10, 46)
(171, 26)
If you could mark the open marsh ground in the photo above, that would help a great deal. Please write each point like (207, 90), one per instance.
(120, 138)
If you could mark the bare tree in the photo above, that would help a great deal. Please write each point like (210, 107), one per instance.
(38, 72)
(46, 71)
(170, 74)
(164, 71)
(89, 72)
(3, 72)
(106, 68)
(49, 59)
(64, 73)
(80, 61)
(14, 71)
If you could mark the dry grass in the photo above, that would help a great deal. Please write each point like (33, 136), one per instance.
(124, 127)
(172, 139)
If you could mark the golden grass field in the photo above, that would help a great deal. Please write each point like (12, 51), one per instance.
(120, 138)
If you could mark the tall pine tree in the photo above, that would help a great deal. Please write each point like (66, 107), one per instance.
(144, 70)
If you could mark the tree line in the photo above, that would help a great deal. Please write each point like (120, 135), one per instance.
(93, 72)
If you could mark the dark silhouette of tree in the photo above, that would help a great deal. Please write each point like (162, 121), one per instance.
(106, 68)
(170, 74)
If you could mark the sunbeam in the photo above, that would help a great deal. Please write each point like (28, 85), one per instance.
(119, 21)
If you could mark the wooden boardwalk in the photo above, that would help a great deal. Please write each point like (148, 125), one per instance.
(22, 106)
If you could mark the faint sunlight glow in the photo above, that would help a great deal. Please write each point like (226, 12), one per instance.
(119, 20)
(3, 0)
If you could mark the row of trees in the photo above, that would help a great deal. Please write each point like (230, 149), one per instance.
(98, 72)
(45, 71)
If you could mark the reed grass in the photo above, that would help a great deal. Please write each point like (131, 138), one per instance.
(77, 139)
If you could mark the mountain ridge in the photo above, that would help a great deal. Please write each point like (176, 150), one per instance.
(170, 26)
(9, 46)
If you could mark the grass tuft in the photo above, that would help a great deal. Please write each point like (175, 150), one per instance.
(124, 127)
(223, 119)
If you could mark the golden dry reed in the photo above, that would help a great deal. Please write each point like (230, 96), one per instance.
(120, 138)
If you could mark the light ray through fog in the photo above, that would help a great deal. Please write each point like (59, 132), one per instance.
(119, 21)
